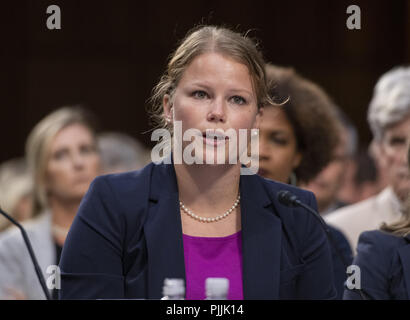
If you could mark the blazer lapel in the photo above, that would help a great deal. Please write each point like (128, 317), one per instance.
(261, 241)
(404, 253)
(163, 231)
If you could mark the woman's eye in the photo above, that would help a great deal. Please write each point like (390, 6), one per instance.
(60, 154)
(280, 141)
(86, 149)
(199, 94)
(397, 141)
(238, 100)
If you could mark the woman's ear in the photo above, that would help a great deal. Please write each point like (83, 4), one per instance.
(297, 160)
(167, 105)
(258, 118)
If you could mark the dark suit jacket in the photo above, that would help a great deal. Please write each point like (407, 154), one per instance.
(339, 267)
(127, 238)
(384, 261)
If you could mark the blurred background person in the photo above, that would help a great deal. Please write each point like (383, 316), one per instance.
(120, 152)
(62, 156)
(363, 178)
(15, 191)
(297, 140)
(383, 257)
(389, 119)
(328, 183)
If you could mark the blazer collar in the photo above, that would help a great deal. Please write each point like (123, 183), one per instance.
(163, 230)
(261, 241)
(261, 236)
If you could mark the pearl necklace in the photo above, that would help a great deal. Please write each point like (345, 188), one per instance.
(217, 218)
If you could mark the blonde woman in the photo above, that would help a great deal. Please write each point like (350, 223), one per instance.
(194, 221)
(63, 157)
(384, 259)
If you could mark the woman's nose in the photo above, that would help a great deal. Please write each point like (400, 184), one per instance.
(217, 112)
(78, 160)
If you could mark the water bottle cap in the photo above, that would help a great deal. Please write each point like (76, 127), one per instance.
(173, 287)
(217, 287)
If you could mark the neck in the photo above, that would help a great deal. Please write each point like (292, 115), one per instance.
(63, 212)
(208, 189)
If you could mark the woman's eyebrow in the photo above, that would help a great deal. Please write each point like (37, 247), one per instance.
(209, 87)
(200, 84)
(242, 91)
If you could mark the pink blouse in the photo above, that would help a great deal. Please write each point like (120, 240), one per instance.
(213, 257)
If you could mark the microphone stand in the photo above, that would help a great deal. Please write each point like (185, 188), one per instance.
(31, 252)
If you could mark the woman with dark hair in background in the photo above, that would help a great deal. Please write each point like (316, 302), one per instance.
(298, 139)
(63, 159)
(200, 220)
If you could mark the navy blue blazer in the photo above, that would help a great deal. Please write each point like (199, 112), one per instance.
(339, 268)
(384, 261)
(127, 238)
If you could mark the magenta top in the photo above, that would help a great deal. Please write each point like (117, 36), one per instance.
(213, 257)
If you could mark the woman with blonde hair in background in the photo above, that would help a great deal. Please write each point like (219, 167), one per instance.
(15, 191)
(62, 156)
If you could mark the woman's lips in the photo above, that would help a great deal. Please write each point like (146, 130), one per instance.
(214, 139)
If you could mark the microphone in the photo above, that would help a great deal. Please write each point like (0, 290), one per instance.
(31, 252)
(288, 199)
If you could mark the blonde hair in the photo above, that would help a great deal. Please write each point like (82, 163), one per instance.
(204, 39)
(15, 184)
(402, 227)
(38, 145)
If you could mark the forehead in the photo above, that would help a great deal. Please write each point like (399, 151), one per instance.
(71, 134)
(217, 69)
(401, 128)
(275, 119)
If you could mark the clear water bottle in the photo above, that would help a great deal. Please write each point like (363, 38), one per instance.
(216, 288)
(173, 289)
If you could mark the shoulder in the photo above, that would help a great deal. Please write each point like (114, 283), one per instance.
(378, 249)
(379, 241)
(115, 201)
(123, 182)
(126, 188)
(38, 231)
(33, 227)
